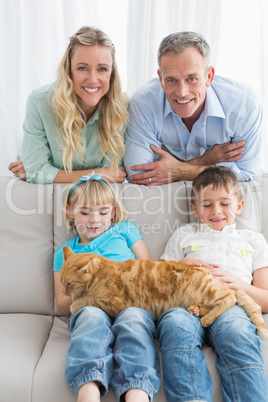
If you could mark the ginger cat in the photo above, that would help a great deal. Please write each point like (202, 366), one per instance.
(155, 286)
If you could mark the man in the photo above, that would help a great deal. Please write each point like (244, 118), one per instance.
(200, 118)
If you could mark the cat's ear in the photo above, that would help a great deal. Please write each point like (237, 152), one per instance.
(67, 252)
(194, 210)
(84, 270)
(95, 260)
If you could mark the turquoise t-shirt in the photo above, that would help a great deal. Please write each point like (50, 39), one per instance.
(42, 153)
(114, 244)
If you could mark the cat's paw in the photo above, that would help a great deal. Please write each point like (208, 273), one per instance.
(75, 307)
(206, 321)
(194, 310)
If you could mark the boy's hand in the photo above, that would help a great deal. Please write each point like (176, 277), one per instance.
(197, 262)
(231, 280)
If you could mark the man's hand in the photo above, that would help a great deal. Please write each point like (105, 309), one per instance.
(226, 152)
(166, 170)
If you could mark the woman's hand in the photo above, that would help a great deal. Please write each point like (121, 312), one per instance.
(17, 169)
(113, 175)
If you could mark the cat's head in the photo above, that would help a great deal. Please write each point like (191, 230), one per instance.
(76, 271)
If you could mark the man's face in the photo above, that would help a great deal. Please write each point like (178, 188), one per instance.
(184, 78)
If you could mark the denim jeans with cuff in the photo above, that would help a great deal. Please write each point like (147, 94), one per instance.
(121, 352)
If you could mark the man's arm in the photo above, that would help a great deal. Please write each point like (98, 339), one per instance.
(140, 135)
(169, 169)
(165, 170)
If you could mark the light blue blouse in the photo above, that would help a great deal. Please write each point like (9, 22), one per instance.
(114, 244)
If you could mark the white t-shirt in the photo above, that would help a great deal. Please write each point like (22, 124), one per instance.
(238, 251)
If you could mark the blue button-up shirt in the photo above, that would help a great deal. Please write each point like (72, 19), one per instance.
(231, 113)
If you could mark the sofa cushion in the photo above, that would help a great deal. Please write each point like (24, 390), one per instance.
(26, 284)
(156, 211)
(22, 340)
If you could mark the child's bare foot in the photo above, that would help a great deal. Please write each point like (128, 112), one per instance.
(137, 395)
(89, 392)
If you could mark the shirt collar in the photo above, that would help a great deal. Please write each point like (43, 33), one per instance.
(204, 228)
(94, 118)
(167, 107)
(212, 106)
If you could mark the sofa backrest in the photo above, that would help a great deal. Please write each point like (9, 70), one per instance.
(26, 281)
(32, 227)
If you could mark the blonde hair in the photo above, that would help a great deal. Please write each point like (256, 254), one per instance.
(93, 192)
(111, 107)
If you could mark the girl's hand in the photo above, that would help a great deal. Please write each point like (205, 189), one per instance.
(231, 280)
(198, 263)
(78, 295)
(17, 169)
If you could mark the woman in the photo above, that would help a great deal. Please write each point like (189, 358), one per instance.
(76, 124)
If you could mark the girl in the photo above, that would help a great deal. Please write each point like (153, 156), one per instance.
(77, 123)
(91, 207)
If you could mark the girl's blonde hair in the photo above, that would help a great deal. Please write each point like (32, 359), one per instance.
(93, 192)
(111, 107)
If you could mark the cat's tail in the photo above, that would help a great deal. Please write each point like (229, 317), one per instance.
(253, 311)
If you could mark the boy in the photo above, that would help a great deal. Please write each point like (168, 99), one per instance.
(237, 257)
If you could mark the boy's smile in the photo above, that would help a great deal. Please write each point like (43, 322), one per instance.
(216, 207)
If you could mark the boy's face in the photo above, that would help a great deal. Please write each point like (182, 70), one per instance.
(217, 208)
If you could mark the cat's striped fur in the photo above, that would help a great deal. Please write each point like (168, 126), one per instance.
(155, 286)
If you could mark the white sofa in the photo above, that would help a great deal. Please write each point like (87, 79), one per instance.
(34, 336)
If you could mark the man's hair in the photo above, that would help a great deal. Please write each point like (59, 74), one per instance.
(178, 42)
(217, 177)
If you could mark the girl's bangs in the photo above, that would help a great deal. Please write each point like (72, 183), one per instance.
(96, 193)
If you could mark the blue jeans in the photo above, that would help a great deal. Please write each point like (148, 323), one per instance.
(239, 359)
(132, 364)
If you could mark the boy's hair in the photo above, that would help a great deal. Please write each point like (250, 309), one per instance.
(219, 176)
(93, 192)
